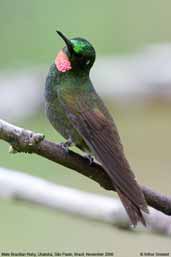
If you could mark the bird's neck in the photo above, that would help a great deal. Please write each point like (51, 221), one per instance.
(75, 79)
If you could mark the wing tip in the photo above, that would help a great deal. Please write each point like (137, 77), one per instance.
(134, 212)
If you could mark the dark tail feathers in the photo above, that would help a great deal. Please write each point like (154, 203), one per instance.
(133, 211)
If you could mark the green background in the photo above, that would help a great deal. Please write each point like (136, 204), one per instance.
(27, 38)
(28, 27)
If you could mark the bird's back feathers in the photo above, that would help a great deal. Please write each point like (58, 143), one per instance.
(101, 135)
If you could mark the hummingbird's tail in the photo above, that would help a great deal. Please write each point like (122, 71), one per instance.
(133, 211)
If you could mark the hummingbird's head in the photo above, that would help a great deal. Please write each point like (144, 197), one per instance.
(78, 54)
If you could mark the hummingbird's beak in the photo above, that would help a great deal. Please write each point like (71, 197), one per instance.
(66, 40)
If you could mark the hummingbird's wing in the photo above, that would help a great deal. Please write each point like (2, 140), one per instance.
(102, 137)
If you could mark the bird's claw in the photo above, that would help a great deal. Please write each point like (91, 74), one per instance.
(64, 147)
(66, 144)
(90, 158)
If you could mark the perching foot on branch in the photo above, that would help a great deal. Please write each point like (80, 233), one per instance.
(90, 158)
(66, 144)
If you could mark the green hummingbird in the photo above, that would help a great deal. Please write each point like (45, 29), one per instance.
(77, 112)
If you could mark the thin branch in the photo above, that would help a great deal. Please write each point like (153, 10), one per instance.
(30, 142)
(26, 188)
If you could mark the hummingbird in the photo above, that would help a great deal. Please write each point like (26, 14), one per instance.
(78, 113)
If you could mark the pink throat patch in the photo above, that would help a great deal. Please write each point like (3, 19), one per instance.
(62, 62)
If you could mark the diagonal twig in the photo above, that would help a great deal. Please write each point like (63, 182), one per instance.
(30, 142)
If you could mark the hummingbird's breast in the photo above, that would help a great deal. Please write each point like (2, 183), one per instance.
(55, 111)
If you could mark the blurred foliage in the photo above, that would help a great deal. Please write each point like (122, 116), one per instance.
(28, 27)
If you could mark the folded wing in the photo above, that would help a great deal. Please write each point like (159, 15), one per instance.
(103, 139)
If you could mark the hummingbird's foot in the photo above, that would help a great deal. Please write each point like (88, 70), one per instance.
(90, 158)
(67, 144)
